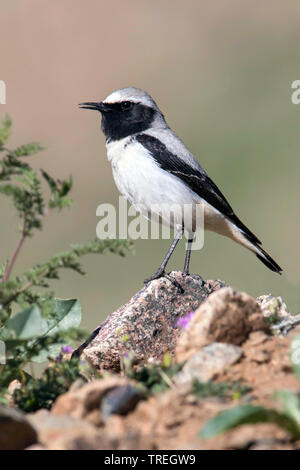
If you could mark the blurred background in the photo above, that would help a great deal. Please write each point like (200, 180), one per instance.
(220, 71)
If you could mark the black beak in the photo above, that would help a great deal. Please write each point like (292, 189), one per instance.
(102, 107)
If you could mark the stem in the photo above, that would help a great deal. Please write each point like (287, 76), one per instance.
(14, 255)
(166, 379)
(23, 288)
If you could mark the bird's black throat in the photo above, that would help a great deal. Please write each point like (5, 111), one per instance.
(118, 123)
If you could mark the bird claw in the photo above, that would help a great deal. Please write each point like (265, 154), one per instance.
(157, 275)
(160, 274)
(174, 282)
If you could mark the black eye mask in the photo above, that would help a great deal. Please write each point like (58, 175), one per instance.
(122, 120)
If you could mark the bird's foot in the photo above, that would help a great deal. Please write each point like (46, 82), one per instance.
(197, 277)
(162, 273)
(174, 282)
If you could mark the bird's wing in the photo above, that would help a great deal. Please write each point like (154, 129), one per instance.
(195, 178)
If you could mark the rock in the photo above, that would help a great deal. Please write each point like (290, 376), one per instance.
(35, 447)
(12, 387)
(120, 400)
(226, 316)
(258, 356)
(145, 325)
(173, 419)
(255, 351)
(86, 401)
(160, 412)
(66, 433)
(270, 444)
(275, 310)
(170, 420)
(257, 338)
(16, 432)
(205, 364)
(49, 427)
(243, 437)
(81, 439)
(273, 306)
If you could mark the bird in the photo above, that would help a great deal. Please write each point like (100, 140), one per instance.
(152, 167)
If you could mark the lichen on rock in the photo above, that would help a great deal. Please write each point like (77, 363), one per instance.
(146, 325)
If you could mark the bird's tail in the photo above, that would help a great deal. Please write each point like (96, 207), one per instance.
(246, 238)
(267, 260)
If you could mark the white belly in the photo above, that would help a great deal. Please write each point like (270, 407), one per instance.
(151, 190)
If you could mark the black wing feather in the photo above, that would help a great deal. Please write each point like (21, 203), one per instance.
(196, 179)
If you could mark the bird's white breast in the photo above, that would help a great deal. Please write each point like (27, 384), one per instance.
(140, 179)
(145, 185)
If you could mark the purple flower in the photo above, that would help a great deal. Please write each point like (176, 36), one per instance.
(66, 350)
(184, 321)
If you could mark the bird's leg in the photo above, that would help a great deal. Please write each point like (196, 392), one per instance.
(188, 257)
(161, 270)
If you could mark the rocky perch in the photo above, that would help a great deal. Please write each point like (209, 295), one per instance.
(146, 325)
(212, 332)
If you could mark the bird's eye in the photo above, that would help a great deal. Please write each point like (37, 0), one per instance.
(126, 105)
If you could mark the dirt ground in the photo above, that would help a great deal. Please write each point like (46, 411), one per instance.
(233, 338)
(173, 419)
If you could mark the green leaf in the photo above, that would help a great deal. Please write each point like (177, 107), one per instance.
(51, 181)
(167, 361)
(3, 267)
(25, 325)
(5, 128)
(29, 325)
(295, 356)
(65, 186)
(247, 414)
(67, 314)
(59, 189)
(290, 404)
(52, 351)
(28, 149)
(28, 178)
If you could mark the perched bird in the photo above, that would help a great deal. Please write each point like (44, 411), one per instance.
(152, 167)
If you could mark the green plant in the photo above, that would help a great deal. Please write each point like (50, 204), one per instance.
(288, 417)
(233, 390)
(42, 392)
(33, 323)
(152, 378)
